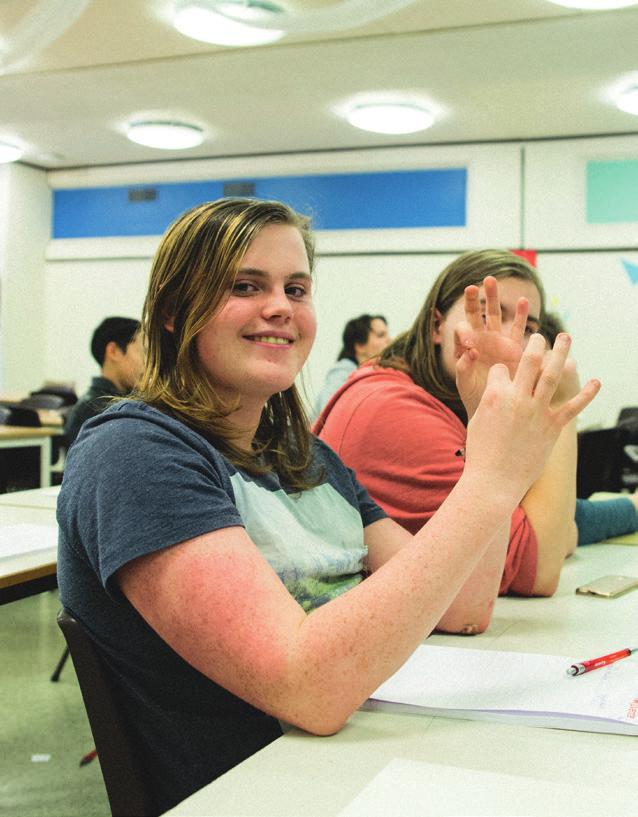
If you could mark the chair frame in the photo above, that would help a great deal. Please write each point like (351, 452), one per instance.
(126, 787)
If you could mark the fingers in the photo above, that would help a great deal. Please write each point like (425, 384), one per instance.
(498, 375)
(492, 304)
(463, 338)
(472, 305)
(572, 407)
(520, 321)
(528, 370)
(553, 367)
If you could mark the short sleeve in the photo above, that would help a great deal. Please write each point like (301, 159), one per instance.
(344, 480)
(149, 488)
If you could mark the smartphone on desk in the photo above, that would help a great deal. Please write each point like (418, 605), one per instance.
(608, 586)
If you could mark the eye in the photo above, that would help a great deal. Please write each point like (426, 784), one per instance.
(297, 291)
(244, 288)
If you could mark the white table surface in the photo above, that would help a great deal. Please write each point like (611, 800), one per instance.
(16, 569)
(300, 774)
(36, 498)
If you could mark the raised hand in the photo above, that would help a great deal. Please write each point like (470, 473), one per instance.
(516, 423)
(480, 343)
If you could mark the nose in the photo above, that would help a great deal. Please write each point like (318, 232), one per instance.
(277, 305)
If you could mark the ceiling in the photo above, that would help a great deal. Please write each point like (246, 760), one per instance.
(490, 69)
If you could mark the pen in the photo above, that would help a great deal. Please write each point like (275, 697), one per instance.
(595, 663)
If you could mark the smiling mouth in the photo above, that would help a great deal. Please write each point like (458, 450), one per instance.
(269, 339)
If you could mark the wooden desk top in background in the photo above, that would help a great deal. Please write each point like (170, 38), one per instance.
(27, 432)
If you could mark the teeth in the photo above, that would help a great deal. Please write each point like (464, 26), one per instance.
(271, 339)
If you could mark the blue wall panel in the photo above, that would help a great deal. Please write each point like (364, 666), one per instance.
(345, 201)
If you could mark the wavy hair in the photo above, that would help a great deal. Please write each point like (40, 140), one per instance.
(416, 352)
(193, 270)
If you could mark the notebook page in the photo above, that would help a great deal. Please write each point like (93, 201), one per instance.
(496, 681)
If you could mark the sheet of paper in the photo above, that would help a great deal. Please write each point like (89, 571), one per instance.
(412, 788)
(18, 539)
(451, 678)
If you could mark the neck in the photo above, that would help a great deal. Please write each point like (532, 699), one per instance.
(246, 420)
(113, 378)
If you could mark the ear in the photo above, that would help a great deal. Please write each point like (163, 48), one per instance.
(111, 349)
(438, 322)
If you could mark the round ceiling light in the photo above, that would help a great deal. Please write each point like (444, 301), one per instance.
(390, 117)
(595, 4)
(628, 100)
(9, 153)
(206, 21)
(165, 135)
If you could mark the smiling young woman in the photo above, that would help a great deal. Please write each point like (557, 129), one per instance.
(231, 570)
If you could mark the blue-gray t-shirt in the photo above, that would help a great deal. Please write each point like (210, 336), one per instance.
(137, 481)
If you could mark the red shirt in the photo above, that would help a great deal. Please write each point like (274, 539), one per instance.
(401, 442)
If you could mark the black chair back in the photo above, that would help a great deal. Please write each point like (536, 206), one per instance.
(628, 416)
(123, 777)
(22, 415)
(65, 392)
(600, 461)
(43, 401)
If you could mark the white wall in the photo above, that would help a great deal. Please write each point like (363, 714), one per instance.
(78, 295)
(596, 300)
(25, 229)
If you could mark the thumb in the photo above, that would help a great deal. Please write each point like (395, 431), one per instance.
(498, 375)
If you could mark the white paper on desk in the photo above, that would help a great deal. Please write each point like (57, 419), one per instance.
(525, 688)
(408, 788)
(16, 540)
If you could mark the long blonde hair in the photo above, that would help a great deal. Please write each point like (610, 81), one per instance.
(416, 352)
(193, 270)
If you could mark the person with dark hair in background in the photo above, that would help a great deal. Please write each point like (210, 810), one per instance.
(603, 518)
(363, 338)
(117, 347)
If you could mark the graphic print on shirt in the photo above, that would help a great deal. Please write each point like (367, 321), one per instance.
(313, 540)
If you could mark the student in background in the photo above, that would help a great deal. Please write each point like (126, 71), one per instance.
(117, 348)
(231, 570)
(599, 519)
(401, 423)
(363, 337)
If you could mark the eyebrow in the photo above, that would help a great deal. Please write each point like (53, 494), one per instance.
(258, 273)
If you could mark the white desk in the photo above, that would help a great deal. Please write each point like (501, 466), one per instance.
(26, 437)
(300, 774)
(45, 498)
(28, 573)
